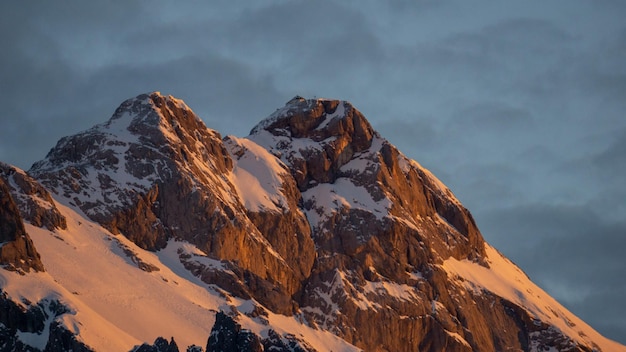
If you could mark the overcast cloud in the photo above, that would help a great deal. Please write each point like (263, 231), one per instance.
(517, 106)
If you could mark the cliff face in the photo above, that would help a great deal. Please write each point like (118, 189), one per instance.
(33, 200)
(314, 216)
(382, 225)
(17, 252)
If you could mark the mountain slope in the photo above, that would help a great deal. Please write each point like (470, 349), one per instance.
(312, 232)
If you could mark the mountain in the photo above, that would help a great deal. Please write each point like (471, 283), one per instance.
(151, 232)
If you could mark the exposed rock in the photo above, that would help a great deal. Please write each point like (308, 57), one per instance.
(160, 345)
(33, 318)
(286, 218)
(14, 316)
(388, 223)
(277, 343)
(133, 173)
(338, 129)
(33, 200)
(17, 251)
(227, 336)
(60, 339)
(132, 255)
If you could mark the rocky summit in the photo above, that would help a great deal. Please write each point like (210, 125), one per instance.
(313, 233)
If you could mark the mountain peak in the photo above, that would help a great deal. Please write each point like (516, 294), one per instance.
(317, 119)
(150, 140)
(316, 137)
(154, 110)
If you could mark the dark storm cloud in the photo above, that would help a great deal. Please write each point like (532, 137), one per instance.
(418, 134)
(324, 49)
(48, 90)
(40, 81)
(479, 124)
(218, 90)
(93, 97)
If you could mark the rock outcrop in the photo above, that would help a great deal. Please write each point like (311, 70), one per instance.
(228, 336)
(35, 317)
(17, 251)
(384, 228)
(160, 345)
(33, 200)
(61, 339)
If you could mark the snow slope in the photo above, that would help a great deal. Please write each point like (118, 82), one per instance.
(114, 305)
(256, 175)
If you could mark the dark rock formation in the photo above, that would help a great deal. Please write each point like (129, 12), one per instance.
(227, 336)
(275, 342)
(17, 251)
(61, 339)
(32, 318)
(16, 316)
(160, 345)
(194, 348)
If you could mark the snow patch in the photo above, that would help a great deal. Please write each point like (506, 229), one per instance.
(257, 176)
(387, 288)
(329, 198)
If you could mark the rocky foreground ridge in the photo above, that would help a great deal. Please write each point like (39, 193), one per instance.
(313, 216)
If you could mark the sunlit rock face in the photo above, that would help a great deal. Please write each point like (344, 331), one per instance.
(33, 200)
(380, 222)
(154, 172)
(314, 216)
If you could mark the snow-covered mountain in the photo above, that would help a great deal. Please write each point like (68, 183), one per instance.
(313, 233)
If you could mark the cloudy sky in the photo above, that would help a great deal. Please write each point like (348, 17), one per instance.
(517, 106)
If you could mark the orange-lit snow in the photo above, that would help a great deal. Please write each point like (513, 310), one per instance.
(116, 306)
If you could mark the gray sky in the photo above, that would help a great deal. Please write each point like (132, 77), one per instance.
(517, 106)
